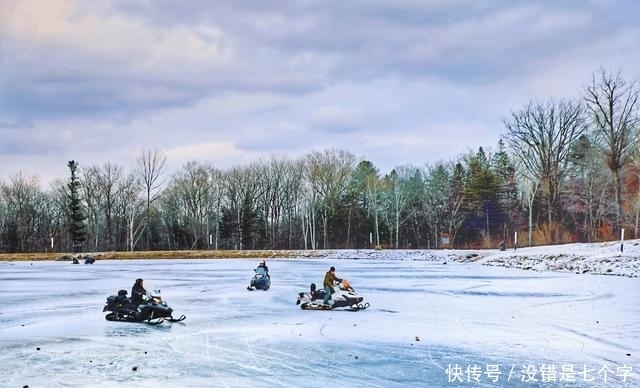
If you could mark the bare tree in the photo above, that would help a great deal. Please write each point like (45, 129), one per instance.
(93, 199)
(192, 186)
(540, 137)
(399, 191)
(591, 193)
(443, 201)
(329, 173)
(635, 201)
(529, 186)
(292, 197)
(613, 104)
(21, 198)
(374, 187)
(242, 188)
(149, 170)
(309, 204)
(279, 179)
(132, 209)
(59, 196)
(214, 205)
(273, 181)
(101, 193)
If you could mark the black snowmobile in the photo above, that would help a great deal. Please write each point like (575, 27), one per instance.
(261, 280)
(153, 310)
(344, 296)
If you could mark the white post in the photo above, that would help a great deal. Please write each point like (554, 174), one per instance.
(515, 241)
(370, 238)
(622, 240)
(210, 239)
(51, 242)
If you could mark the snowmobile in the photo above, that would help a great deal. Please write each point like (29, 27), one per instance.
(153, 310)
(261, 280)
(344, 296)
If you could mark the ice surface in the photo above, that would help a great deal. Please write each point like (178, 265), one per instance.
(425, 317)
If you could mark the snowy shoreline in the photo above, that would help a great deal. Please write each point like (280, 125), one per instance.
(584, 258)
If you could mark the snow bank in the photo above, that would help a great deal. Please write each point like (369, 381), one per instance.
(607, 258)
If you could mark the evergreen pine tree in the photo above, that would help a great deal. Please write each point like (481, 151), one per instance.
(76, 213)
(482, 187)
(507, 195)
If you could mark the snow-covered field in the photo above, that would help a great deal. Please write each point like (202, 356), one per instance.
(433, 322)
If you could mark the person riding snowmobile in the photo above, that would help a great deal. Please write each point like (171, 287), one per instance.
(138, 293)
(263, 264)
(329, 280)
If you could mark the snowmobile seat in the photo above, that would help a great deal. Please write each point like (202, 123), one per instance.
(120, 300)
(315, 293)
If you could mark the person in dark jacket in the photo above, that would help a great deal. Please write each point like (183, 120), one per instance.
(329, 279)
(138, 292)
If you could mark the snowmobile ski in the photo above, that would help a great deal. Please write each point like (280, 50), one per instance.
(172, 319)
(359, 306)
(116, 317)
(316, 306)
(327, 307)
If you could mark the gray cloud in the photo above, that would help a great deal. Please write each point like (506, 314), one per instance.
(241, 79)
(334, 118)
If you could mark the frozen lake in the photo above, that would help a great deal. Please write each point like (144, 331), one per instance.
(429, 325)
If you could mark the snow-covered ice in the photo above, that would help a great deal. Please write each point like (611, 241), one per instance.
(430, 324)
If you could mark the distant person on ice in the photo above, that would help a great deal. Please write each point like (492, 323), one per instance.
(263, 264)
(329, 279)
(138, 292)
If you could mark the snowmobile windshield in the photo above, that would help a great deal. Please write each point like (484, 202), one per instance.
(345, 285)
(154, 294)
(260, 271)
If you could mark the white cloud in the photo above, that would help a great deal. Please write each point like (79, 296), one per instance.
(205, 152)
(99, 32)
(35, 20)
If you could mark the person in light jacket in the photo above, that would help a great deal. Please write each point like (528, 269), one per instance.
(329, 280)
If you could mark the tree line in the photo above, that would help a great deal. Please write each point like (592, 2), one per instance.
(564, 171)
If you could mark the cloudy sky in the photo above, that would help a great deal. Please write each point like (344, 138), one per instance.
(229, 82)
